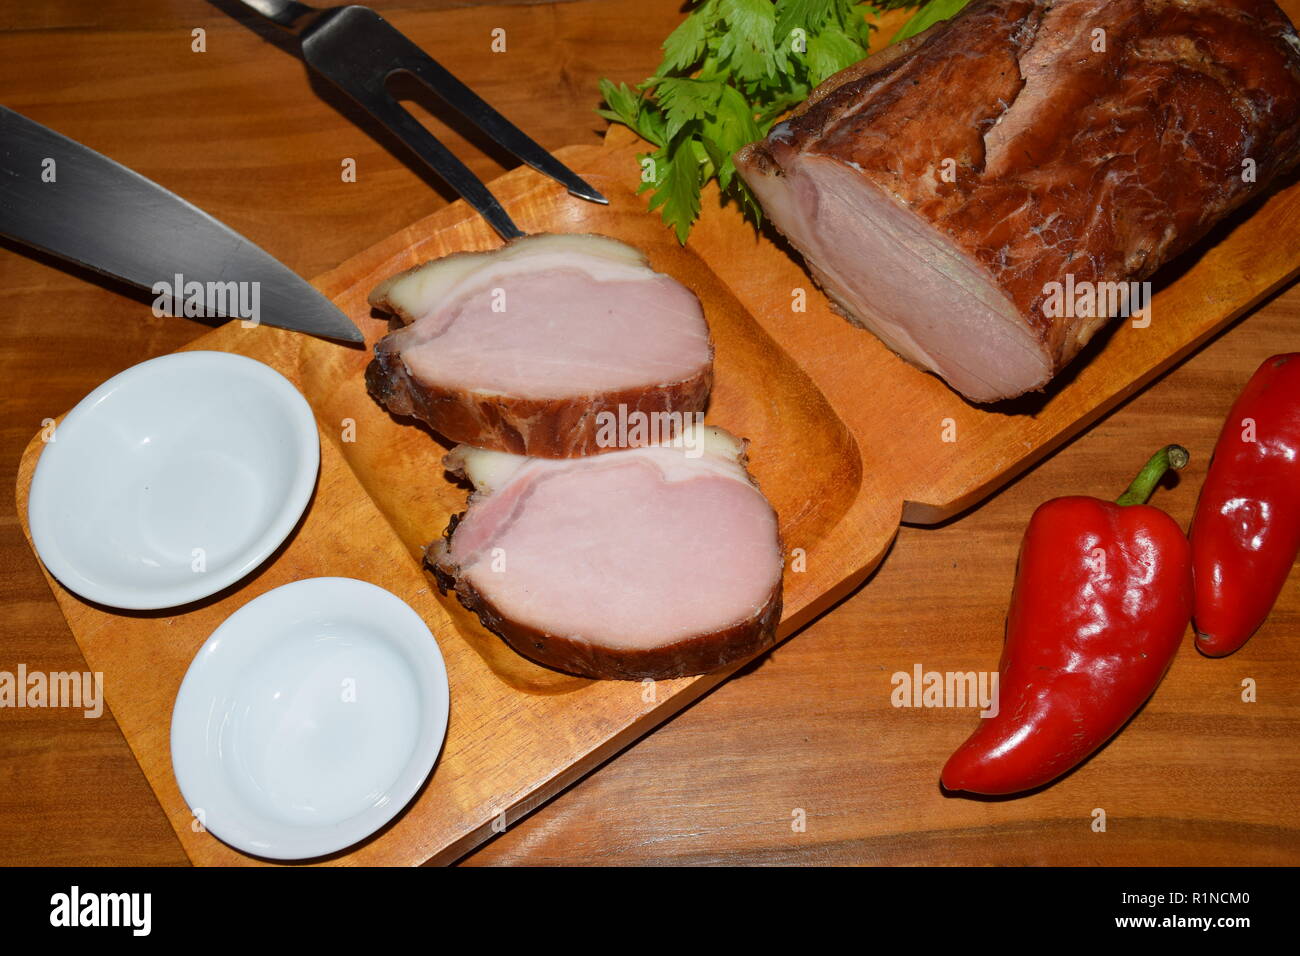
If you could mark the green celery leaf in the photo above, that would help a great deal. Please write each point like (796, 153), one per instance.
(622, 103)
(685, 45)
(829, 52)
(747, 45)
(684, 100)
(677, 189)
(730, 128)
(808, 15)
(729, 71)
(928, 16)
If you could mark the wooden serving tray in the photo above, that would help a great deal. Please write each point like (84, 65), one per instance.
(846, 441)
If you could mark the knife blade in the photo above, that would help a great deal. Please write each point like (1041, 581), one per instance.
(68, 200)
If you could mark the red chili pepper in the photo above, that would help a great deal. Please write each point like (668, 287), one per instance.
(1246, 531)
(1103, 595)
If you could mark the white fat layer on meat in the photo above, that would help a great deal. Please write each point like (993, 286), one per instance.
(419, 291)
(722, 454)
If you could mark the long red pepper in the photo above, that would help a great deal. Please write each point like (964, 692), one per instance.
(1246, 532)
(1103, 595)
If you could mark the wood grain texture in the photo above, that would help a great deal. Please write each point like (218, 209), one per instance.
(1197, 778)
(689, 824)
(243, 133)
(518, 730)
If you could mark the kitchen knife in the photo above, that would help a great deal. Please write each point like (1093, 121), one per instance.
(66, 199)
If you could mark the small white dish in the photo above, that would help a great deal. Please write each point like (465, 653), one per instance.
(173, 480)
(309, 718)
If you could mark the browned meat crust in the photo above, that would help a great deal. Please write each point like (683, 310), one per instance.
(1101, 164)
(550, 428)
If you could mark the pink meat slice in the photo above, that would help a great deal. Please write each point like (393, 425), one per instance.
(521, 349)
(638, 563)
(614, 334)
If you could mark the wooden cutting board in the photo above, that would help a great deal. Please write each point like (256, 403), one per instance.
(846, 440)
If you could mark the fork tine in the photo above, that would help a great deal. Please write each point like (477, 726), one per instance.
(444, 162)
(358, 50)
(505, 133)
(333, 46)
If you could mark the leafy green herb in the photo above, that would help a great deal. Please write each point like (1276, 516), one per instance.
(928, 16)
(729, 71)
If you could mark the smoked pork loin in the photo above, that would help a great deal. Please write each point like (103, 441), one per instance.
(650, 562)
(945, 191)
(523, 348)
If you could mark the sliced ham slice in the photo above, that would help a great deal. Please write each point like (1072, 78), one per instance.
(650, 562)
(523, 348)
(938, 189)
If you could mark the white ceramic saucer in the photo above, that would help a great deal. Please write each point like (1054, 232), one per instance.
(173, 480)
(309, 718)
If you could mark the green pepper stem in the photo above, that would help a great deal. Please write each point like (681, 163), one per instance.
(1171, 456)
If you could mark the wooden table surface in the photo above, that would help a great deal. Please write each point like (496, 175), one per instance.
(806, 732)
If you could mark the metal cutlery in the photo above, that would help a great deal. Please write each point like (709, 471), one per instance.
(358, 50)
